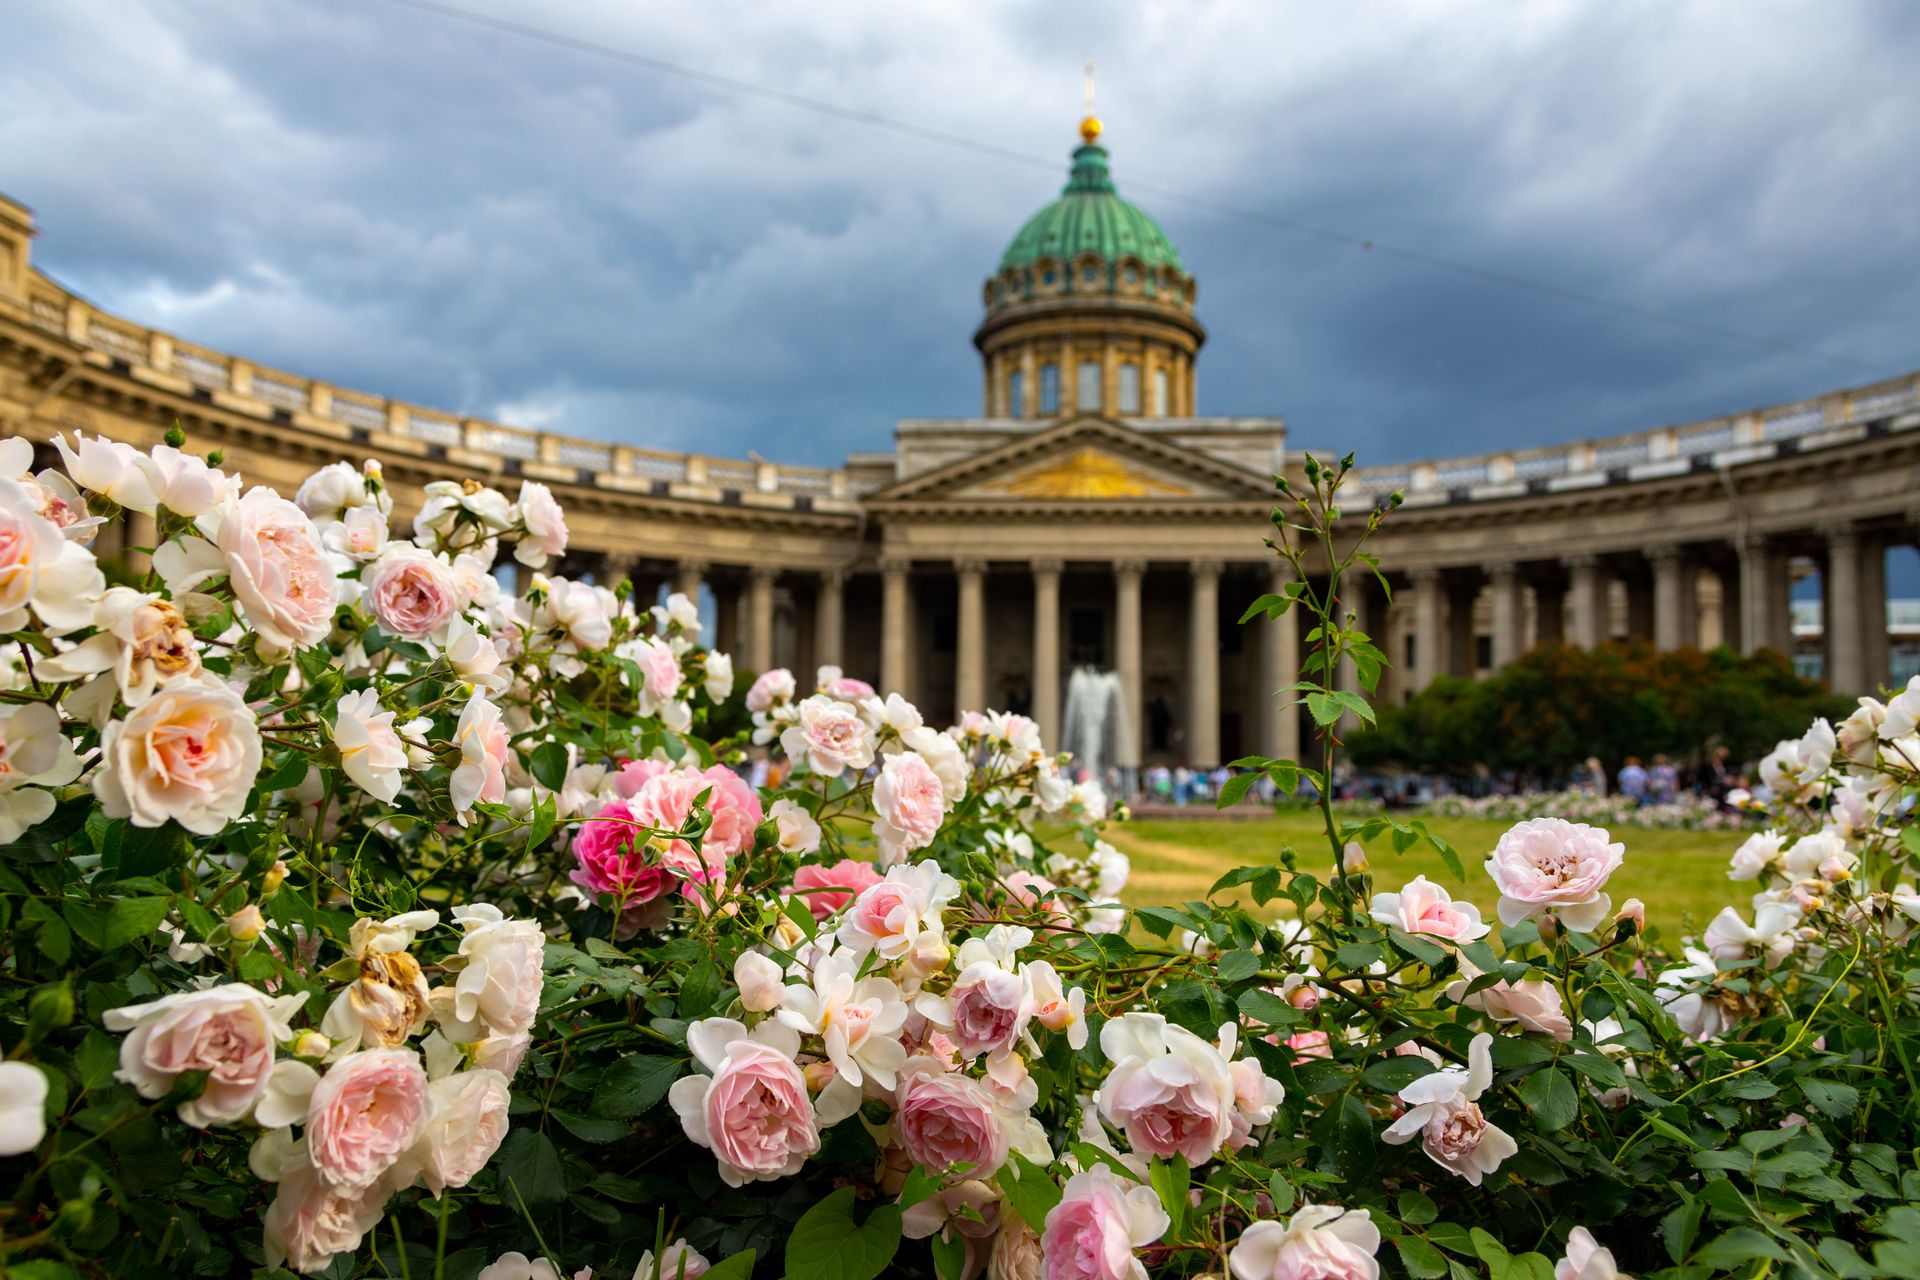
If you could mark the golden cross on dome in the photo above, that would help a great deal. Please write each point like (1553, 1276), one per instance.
(1090, 125)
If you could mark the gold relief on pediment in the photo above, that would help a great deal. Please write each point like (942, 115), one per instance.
(1088, 473)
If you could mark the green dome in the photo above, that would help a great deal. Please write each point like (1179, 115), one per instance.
(1090, 217)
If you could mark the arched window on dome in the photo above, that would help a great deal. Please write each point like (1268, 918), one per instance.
(1161, 385)
(1016, 394)
(1087, 387)
(1129, 388)
(1049, 388)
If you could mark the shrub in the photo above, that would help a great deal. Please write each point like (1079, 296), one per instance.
(363, 917)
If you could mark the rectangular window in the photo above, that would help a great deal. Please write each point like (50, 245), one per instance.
(1160, 385)
(1087, 390)
(1049, 388)
(1129, 388)
(1016, 394)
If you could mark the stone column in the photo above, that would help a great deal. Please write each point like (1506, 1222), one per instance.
(1203, 666)
(1280, 667)
(829, 618)
(760, 618)
(1549, 611)
(1046, 650)
(140, 534)
(1846, 612)
(1509, 636)
(1758, 567)
(1873, 612)
(1126, 656)
(970, 676)
(1462, 652)
(895, 611)
(1589, 601)
(1674, 591)
(687, 577)
(1429, 627)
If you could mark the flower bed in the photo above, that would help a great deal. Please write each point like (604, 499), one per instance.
(364, 917)
(1683, 813)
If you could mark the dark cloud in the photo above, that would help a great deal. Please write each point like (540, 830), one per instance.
(415, 206)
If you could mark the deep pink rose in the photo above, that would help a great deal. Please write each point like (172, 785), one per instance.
(950, 1119)
(849, 874)
(986, 1010)
(606, 847)
(366, 1112)
(411, 591)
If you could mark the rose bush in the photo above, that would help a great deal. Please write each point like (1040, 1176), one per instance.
(389, 905)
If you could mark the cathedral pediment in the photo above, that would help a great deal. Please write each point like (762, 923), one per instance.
(1088, 460)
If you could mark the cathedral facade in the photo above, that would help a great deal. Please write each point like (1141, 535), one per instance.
(1091, 516)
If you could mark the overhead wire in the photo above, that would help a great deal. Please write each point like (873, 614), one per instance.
(1281, 222)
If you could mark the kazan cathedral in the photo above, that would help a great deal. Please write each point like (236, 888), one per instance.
(1092, 528)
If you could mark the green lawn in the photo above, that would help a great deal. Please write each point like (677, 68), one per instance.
(1680, 875)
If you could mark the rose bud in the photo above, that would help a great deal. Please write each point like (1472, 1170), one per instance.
(246, 924)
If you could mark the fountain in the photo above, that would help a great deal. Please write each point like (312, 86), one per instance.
(1094, 726)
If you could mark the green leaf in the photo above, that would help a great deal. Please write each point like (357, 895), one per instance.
(1488, 1249)
(1326, 708)
(1679, 1229)
(1420, 1258)
(1836, 1100)
(949, 1254)
(540, 826)
(1416, 1208)
(592, 1128)
(1391, 1075)
(1236, 965)
(1031, 1189)
(1235, 789)
(1170, 1179)
(1739, 1245)
(133, 918)
(1271, 605)
(632, 1086)
(290, 772)
(95, 1060)
(1265, 1007)
(738, 1267)
(919, 1185)
(549, 765)
(827, 1244)
(529, 1160)
(1549, 1095)
(1428, 953)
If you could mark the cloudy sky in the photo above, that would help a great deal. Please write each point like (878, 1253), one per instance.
(407, 203)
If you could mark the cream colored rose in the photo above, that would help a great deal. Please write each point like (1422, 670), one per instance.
(228, 1031)
(190, 754)
(466, 1123)
(40, 571)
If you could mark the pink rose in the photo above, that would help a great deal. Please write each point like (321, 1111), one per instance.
(660, 669)
(466, 1123)
(635, 774)
(948, 1119)
(1320, 1242)
(987, 1005)
(850, 876)
(1549, 864)
(228, 1031)
(278, 568)
(1034, 892)
(311, 1221)
(753, 1111)
(1309, 1044)
(190, 753)
(366, 1112)
(545, 523)
(909, 804)
(771, 690)
(1169, 1091)
(894, 915)
(481, 774)
(1099, 1223)
(411, 591)
(1532, 1002)
(848, 689)
(1424, 907)
(668, 798)
(1586, 1259)
(830, 738)
(608, 849)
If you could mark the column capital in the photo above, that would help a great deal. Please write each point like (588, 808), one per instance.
(969, 564)
(1502, 571)
(1752, 540)
(1664, 553)
(1425, 576)
(1581, 562)
(1205, 568)
(895, 565)
(1046, 566)
(1841, 533)
(763, 573)
(699, 567)
(834, 577)
(1129, 568)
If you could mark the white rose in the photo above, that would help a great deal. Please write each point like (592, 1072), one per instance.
(370, 749)
(33, 754)
(190, 754)
(501, 982)
(183, 482)
(23, 1105)
(546, 526)
(108, 468)
(466, 1122)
